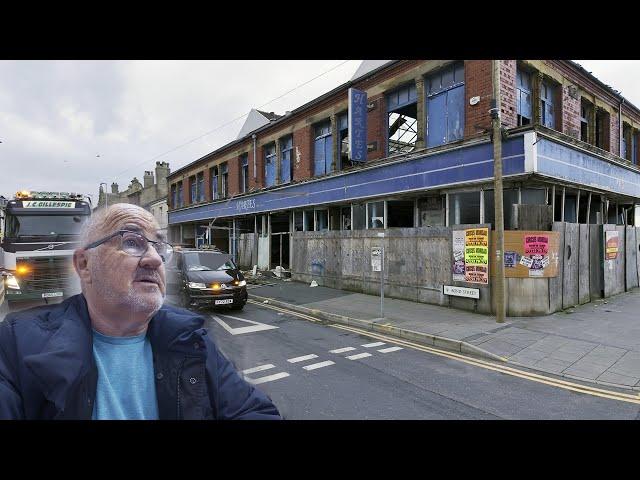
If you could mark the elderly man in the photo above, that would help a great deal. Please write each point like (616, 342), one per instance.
(114, 351)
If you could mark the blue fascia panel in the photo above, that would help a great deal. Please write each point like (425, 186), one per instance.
(467, 164)
(563, 162)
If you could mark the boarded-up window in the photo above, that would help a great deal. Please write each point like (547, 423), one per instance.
(445, 105)
(523, 97)
(270, 165)
(547, 101)
(323, 149)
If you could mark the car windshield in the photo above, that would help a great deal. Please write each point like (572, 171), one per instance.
(207, 261)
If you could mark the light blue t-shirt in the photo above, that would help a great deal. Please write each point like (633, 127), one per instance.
(126, 386)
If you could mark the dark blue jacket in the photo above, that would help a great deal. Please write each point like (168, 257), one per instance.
(47, 368)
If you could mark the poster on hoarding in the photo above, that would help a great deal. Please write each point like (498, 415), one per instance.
(536, 248)
(476, 255)
(612, 244)
(458, 255)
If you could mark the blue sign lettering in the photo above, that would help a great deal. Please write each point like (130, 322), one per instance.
(357, 125)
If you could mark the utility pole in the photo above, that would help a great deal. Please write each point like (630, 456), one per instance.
(498, 200)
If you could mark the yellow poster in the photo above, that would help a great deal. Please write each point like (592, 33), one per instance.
(476, 255)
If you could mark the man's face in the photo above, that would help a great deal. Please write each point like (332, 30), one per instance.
(132, 284)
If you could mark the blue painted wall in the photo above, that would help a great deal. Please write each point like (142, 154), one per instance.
(563, 162)
(450, 167)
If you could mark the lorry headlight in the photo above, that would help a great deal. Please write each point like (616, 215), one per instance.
(22, 269)
(197, 285)
(11, 282)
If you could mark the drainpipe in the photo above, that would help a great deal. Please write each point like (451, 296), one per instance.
(255, 148)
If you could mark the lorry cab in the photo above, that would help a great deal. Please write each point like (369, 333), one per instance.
(41, 231)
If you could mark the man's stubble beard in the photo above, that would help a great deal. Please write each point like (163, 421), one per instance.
(136, 302)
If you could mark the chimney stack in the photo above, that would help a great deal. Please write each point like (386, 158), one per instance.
(162, 172)
(114, 188)
(148, 179)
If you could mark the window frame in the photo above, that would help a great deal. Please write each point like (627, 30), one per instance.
(520, 90)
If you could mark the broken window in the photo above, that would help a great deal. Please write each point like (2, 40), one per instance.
(322, 220)
(626, 138)
(192, 189)
(286, 146)
(445, 105)
(225, 177)
(431, 211)
(602, 129)
(308, 221)
(345, 218)
(464, 208)
(585, 120)
(401, 213)
(523, 97)
(509, 198)
(270, 165)
(298, 223)
(343, 140)
(244, 172)
(323, 149)
(214, 183)
(375, 212)
(547, 111)
(402, 119)
(180, 191)
(200, 187)
(533, 196)
(358, 220)
(174, 196)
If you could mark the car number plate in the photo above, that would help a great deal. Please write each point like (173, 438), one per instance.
(51, 294)
(224, 302)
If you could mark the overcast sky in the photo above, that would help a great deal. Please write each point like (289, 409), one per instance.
(56, 117)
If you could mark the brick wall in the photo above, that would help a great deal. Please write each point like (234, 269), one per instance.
(257, 181)
(207, 184)
(570, 108)
(508, 108)
(377, 127)
(302, 153)
(186, 193)
(614, 134)
(477, 83)
(233, 167)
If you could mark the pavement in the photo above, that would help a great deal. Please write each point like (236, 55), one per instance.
(598, 342)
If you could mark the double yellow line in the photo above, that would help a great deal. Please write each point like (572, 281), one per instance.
(554, 382)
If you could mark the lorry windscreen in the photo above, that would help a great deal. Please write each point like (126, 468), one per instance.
(39, 225)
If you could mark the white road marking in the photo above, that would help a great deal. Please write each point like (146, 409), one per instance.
(302, 359)
(269, 378)
(257, 326)
(257, 369)
(319, 365)
(389, 350)
(359, 355)
(376, 344)
(342, 350)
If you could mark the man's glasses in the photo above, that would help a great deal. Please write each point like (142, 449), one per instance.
(136, 245)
